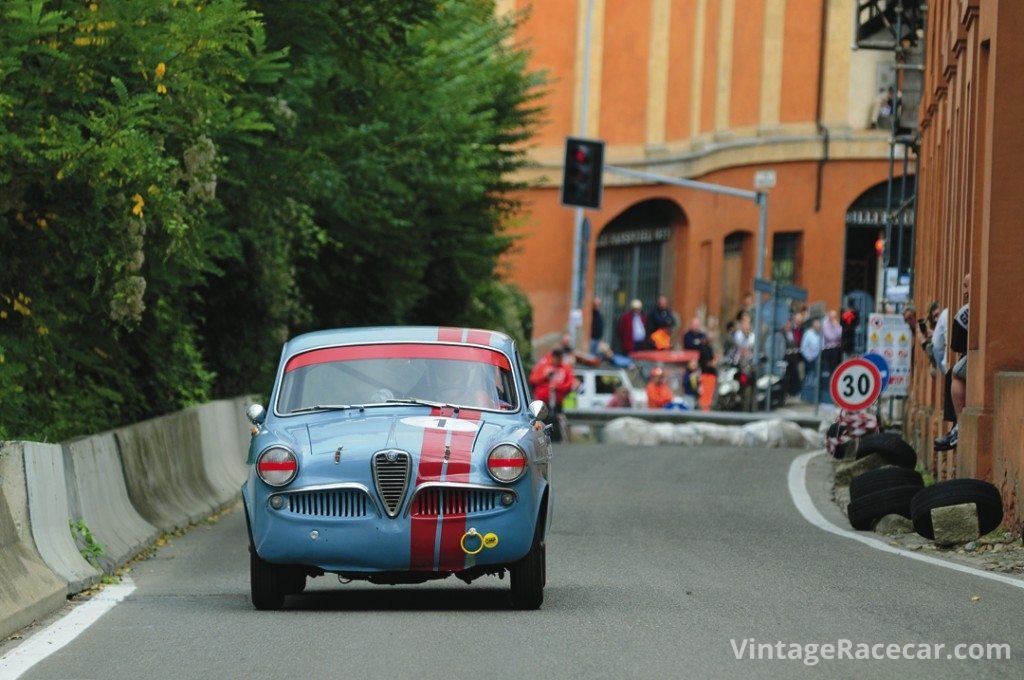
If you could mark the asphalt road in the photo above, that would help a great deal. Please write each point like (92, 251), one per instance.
(658, 558)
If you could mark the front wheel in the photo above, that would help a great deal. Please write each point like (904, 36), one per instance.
(528, 576)
(267, 583)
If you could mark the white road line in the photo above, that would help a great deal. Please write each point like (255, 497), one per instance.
(64, 630)
(802, 501)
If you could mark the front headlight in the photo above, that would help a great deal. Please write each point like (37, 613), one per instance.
(277, 466)
(506, 462)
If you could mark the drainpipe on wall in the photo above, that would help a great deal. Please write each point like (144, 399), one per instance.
(823, 131)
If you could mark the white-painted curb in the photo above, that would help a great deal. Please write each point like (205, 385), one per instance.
(802, 501)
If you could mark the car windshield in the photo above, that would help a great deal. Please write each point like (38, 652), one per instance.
(473, 377)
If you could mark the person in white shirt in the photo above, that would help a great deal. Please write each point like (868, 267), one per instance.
(939, 340)
(810, 344)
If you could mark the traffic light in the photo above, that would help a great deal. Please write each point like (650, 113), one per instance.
(582, 177)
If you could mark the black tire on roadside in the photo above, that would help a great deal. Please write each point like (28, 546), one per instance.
(985, 496)
(266, 583)
(863, 512)
(883, 478)
(891, 447)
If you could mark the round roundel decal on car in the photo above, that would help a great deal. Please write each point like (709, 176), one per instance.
(441, 423)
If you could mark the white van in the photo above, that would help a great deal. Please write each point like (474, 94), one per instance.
(598, 385)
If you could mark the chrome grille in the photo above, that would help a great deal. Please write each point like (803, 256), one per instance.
(391, 478)
(454, 501)
(329, 503)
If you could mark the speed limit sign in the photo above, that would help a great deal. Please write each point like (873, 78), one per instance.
(855, 384)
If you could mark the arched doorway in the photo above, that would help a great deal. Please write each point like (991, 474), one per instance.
(862, 266)
(635, 258)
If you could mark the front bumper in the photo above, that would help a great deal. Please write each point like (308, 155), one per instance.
(350, 532)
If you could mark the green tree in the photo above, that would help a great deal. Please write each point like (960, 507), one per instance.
(111, 117)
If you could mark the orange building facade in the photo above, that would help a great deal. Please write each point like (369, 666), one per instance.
(709, 90)
(972, 159)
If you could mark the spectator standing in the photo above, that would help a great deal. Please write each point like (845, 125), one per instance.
(660, 323)
(743, 337)
(596, 325)
(939, 340)
(927, 328)
(729, 342)
(956, 379)
(791, 353)
(551, 380)
(810, 344)
(746, 308)
(632, 328)
(695, 338)
(832, 339)
(659, 394)
(692, 380)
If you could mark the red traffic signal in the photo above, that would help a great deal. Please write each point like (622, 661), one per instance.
(582, 175)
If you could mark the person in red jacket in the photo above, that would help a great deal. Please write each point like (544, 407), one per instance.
(551, 379)
(632, 328)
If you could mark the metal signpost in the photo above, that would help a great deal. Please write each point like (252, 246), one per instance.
(776, 291)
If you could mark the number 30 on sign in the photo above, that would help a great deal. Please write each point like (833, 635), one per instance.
(856, 384)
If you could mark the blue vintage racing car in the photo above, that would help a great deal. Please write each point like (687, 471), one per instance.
(398, 455)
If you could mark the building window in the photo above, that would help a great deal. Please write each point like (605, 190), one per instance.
(786, 257)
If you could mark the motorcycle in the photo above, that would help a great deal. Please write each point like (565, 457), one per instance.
(734, 380)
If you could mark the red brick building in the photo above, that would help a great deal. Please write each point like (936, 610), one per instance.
(712, 90)
(972, 161)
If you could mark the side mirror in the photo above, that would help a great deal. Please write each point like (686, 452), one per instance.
(539, 409)
(256, 414)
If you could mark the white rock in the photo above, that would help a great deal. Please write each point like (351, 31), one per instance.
(630, 432)
(763, 434)
(812, 439)
(665, 432)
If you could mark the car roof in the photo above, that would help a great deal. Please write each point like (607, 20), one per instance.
(387, 334)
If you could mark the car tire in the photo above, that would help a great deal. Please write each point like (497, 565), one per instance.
(883, 478)
(863, 512)
(294, 581)
(985, 496)
(527, 576)
(890, 447)
(266, 582)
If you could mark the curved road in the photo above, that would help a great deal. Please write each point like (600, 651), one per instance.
(658, 558)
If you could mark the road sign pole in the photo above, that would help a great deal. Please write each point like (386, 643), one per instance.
(575, 312)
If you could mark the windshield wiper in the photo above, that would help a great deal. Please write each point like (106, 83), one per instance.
(322, 407)
(425, 402)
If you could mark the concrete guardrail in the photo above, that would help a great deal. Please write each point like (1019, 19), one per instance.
(28, 588)
(48, 510)
(97, 486)
(163, 469)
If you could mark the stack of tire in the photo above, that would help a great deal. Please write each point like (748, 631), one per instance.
(897, 489)
(886, 490)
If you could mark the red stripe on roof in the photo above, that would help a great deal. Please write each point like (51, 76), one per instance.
(397, 351)
(449, 334)
(479, 337)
